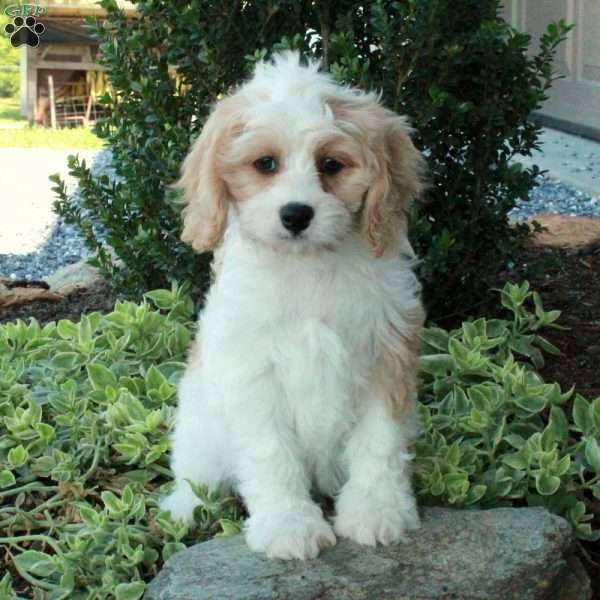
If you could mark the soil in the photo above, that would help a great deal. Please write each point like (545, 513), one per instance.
(98, 298)
(567, 280)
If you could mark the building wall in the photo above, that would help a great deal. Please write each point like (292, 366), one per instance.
(574, 100)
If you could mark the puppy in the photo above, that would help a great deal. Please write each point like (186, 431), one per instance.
(303, 373)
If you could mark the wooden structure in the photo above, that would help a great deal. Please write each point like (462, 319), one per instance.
(67, 54)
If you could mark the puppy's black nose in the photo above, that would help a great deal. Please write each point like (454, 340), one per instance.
(296, 217)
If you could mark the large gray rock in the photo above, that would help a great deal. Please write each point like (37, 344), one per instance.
(500, 554)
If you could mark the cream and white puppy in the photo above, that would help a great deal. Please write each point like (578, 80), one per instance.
(304, 369)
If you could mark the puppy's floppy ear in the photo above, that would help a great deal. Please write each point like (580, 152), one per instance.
(399, 168)
(396, 167)
(205, 192)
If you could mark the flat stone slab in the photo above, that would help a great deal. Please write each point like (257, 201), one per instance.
(74, 277)
(566, 232)
(503, 554)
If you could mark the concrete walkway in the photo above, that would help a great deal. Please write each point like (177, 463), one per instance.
(26, 197)
(568, 158)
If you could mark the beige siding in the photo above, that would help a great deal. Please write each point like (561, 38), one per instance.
(574, 102)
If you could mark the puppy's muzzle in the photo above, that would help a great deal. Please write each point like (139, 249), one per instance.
(296, 217)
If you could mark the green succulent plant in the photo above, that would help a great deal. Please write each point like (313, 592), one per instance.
(86, 408)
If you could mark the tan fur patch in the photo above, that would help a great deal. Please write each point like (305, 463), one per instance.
(396, 164)
(206, 195)
(194, 357)
(245, 181)
(396, 370)
(352, 182)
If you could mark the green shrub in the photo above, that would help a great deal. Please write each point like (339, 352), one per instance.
(9, 83)
(85, 411)
(464, 77)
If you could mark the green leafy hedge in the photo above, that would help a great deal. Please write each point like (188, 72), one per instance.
(85, 411)
(466, 79)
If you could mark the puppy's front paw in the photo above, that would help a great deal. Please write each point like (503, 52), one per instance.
(181, 503)
(369, 520)
(290, 534)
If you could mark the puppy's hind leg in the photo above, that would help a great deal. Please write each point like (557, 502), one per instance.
(198, 453)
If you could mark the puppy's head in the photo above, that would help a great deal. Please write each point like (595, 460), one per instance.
(303, 162)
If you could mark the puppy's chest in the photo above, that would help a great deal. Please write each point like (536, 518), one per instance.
(324, 315)
(313, 332)
(315, 324)
(321, 330)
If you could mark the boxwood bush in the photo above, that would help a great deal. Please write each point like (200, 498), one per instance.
(466, 79)
(85, 411)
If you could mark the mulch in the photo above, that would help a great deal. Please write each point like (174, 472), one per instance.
(567, 280)
(99, 298)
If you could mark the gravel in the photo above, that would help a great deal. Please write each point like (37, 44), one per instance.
(557, 198)
(64, 246)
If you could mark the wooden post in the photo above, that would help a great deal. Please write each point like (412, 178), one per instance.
(29, 102)
(52, 101)
(88, 111)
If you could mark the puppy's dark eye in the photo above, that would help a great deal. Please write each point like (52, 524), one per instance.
(330, 166)
(266, 164)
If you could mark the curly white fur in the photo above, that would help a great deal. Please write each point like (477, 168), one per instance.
(305, 367)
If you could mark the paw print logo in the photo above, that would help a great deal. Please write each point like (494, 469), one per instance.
(24, 31)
